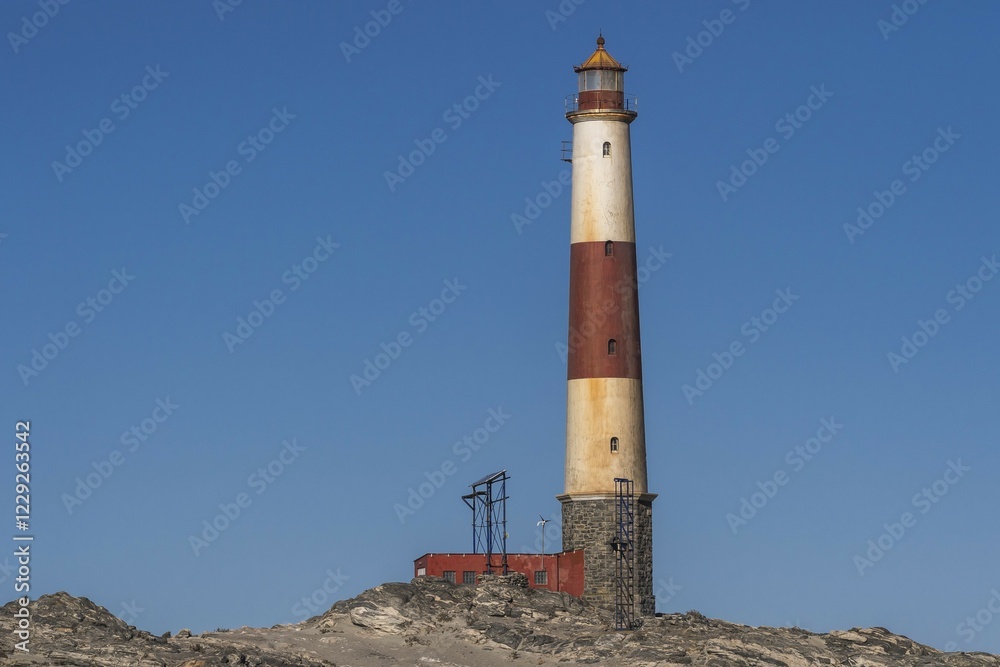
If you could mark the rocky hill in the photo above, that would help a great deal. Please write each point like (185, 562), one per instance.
(430, 622)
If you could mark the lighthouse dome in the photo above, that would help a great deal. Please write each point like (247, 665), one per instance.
(600, 59)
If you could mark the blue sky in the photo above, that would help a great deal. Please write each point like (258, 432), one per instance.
(231, 221)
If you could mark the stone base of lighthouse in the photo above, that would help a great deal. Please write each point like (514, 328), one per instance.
(590, 523)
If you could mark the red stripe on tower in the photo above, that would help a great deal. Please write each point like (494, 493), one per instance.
(603, 311)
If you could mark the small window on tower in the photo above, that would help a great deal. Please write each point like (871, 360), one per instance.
(609, 249)
(607, 149)
(612, 346)
(614, 445)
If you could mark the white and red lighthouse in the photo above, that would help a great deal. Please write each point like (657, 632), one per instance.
(605, 431)
(607, 510)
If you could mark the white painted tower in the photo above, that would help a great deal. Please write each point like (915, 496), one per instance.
(605, 431)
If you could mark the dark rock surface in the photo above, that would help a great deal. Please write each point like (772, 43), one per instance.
(432, 622)
(72, 631)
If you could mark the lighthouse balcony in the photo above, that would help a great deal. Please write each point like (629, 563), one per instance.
(592, 100)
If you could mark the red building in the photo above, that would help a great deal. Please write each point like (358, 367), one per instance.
(554, 572)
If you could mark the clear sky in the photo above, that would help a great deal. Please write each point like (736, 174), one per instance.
(215, 215)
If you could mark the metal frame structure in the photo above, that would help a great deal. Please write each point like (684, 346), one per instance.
(567, 151)
(624, 546)
(488, 502)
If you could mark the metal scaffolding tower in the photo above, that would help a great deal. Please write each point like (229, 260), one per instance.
(488, 502)
(624, 546)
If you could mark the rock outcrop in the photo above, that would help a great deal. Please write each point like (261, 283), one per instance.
(432, 622)
(71, 631)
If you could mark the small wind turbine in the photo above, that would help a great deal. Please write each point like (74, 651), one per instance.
(542, 523)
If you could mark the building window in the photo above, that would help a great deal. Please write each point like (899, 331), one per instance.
(607, 149)
(609, 248)
(541, 578)
(614, 445)
(421, 571)
(612, 346)
(469, 577)
(449, 575)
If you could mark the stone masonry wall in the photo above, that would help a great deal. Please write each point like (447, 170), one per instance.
(645, 600)
(591, 525)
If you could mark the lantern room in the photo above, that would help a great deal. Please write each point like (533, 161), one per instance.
(601, 81)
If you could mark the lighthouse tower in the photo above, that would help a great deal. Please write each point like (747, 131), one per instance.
(606, 507)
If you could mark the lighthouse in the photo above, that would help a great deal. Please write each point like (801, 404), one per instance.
(606, 505)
